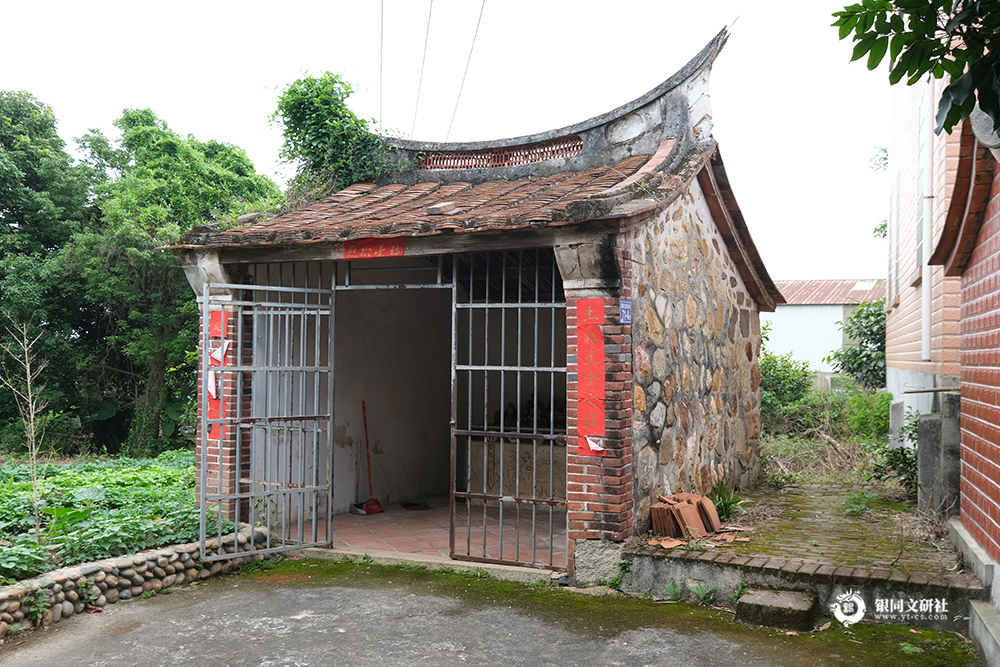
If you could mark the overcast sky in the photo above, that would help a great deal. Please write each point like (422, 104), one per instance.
(797, 122)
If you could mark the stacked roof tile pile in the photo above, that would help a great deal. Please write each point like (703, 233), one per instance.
(682, 517)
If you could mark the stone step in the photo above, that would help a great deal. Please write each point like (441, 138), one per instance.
(789, 610)
(652, 568)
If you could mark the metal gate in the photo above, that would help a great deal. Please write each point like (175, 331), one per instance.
(267, 401)
(508, 456)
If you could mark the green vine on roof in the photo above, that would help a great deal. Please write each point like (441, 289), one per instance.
(332, 146)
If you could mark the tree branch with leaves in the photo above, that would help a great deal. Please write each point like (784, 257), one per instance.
(958, 38)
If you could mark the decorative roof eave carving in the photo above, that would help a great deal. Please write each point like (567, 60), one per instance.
(676, 109)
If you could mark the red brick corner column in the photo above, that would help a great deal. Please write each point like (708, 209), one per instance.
(599, 484)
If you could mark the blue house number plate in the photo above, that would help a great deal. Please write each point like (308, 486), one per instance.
(625, 311)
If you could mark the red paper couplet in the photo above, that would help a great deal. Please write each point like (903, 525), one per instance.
(372, 248)
(218, 321)
(590, 376)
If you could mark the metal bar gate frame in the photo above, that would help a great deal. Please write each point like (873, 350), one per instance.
(265, 466)
(265, 482)
(523, 456)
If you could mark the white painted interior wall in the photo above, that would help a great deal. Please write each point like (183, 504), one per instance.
(393, 351)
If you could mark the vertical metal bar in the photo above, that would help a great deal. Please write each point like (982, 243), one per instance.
(452, 480)
(254, 388)
(486, 388)
(203, 482)
(288, 405)
(331, 384)
(238, 345)
(503, 393)
(317, 387)
(468, 440)
(517, 375)
(269, 373)
(534, 389)
(552, 384)
(303, 426)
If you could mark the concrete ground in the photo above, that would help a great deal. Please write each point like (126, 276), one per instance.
(307, 613)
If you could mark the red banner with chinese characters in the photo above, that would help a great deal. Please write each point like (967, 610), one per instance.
(217, 328)
(590, 377)
(372, 248)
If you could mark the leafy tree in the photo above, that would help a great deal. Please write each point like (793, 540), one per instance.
(42, 195)
(333, 147)
(960, 38)
(43, 200)
(865, 360)
(79, 256)
(879, 161)
(155, 186)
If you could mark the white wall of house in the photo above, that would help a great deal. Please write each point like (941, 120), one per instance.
(809, 332)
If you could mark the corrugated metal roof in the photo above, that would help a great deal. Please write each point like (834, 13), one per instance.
(817, 292)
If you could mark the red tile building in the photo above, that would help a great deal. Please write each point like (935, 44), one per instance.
(969, 250)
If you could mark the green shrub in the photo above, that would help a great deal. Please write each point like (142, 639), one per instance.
(868, 414)
(816, 411)
(899, 463)
(331, 145)
(726, 501)
(783, 381)
(23, 558)
(864, 360)
(859, 503)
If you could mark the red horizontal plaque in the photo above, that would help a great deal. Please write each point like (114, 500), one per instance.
(373, 248)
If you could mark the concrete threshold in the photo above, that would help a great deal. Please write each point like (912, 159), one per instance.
(524, 575)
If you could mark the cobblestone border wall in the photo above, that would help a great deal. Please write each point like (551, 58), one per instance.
(68, 591)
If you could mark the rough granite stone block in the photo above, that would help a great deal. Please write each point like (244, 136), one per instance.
(780, 609)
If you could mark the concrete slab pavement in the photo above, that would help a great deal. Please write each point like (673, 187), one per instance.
(310, 613)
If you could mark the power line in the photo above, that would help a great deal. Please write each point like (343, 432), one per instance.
(381, 52)
(420, 82)
(464, 74)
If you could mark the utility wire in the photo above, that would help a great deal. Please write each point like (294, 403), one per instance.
(381, 53)
(423, 61)
(464, 74)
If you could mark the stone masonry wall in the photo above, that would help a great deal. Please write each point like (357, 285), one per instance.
(59, 594)
(696, 341)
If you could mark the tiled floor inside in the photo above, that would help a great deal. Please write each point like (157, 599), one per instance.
(427, 531)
